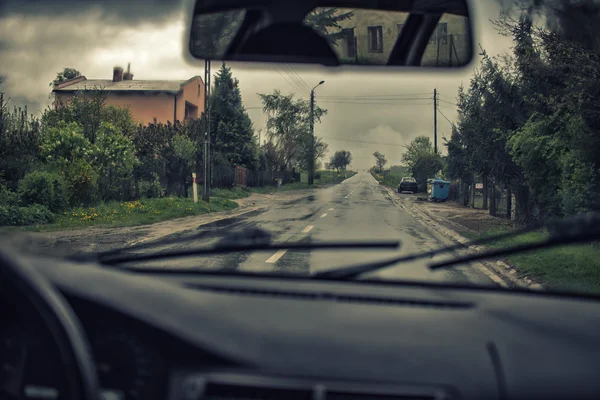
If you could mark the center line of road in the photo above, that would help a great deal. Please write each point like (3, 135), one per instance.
(307, 229)
(324, 215)
(273, 259)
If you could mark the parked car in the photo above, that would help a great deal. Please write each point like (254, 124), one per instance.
(408, 184)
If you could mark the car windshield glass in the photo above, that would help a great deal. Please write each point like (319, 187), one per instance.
(110, 138)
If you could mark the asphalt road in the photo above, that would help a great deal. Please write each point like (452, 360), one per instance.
(356, 209)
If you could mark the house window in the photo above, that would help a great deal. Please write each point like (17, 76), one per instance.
(350, 42)
(375, 39)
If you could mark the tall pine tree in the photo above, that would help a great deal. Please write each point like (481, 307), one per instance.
(232, 133)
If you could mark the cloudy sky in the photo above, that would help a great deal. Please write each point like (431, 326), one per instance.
(40, 38)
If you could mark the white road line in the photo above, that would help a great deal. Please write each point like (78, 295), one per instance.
(307, 229)
(324, 215)
(273, 259)
(331, 209)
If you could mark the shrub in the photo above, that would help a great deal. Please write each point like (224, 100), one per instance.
(152, 189)
(317, 175)
(7, 197)
(44, 188)
(18, 216)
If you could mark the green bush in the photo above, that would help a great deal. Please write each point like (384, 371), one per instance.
(317, 175)
(7, 197)
(18, 216)
(152, 189)
(44, 188)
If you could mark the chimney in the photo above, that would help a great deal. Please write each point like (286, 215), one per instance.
(128, 76)
(117, 74)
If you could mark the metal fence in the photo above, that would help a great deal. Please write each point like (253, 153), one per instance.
(225, 176)
(498, 200)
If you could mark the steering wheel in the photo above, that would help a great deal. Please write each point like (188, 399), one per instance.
(26, 286)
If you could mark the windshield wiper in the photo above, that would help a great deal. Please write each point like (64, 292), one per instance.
(251, 239)
(578, 229)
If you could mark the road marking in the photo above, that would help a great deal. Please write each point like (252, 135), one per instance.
(307, 229)
(324, 215)
(331, 209)
(273, 259)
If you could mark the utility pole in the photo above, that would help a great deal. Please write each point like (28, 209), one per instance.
(311, 162)
(435, 121)
(207, 169)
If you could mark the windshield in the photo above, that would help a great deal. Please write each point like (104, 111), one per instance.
(109, 139)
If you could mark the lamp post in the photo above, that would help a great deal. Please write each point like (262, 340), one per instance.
(311, 162)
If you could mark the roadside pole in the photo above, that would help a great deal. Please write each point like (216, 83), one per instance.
(207, 170)
(311, 167)
(435, 121)
(194, 187)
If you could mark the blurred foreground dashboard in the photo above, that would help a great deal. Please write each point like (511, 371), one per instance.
(207, 336)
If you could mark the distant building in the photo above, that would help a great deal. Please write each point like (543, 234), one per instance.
(372, 34)
(147, 100)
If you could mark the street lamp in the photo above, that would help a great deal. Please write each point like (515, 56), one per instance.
(311, 162)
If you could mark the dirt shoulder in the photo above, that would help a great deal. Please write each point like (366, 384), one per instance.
(461, 224)
(101, 238)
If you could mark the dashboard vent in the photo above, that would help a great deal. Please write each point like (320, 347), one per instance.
(307, 295)
(234, 386)
(221, 391)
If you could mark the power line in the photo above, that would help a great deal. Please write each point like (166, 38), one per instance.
(380, 95)
(372, 103)
(302, 82)
(298, 82)
(451, 123)
(363, 141)
(449, 102)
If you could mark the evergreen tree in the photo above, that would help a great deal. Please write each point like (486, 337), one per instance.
(232, 133)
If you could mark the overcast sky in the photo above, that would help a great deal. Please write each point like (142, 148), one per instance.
(37, 41)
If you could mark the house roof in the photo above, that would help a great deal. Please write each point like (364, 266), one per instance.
(124, 85)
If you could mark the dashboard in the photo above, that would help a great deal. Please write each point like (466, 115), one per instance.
(203, 336)
(130, 361)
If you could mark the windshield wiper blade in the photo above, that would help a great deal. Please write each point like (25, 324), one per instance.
(582, 228)
(251, 239)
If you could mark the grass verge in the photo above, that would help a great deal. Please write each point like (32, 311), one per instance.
(131, 213)
(574, 268)
(149, 211)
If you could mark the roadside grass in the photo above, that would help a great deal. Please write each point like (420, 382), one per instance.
(131, 213)
(149, 211)
(574, 268)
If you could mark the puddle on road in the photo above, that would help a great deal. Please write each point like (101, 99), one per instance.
(226, 222)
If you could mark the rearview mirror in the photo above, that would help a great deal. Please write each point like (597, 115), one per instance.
(422, 33)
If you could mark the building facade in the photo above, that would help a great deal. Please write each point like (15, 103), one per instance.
(370, 35)
(165, 101)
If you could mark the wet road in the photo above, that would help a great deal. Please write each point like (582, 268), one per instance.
(356, 209)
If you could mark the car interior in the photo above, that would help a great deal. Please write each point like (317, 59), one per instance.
(87, 329)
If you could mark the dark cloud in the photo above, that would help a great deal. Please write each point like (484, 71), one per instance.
(113, 11)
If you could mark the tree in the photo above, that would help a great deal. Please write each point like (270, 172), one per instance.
(20, 137)
(326, 22)
(380, 160)
(421, 159)
(288, 127)
(340, 160)
(417, 148)
(232, 133)
(65, 75)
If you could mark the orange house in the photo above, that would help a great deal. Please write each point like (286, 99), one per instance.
(147, 100)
